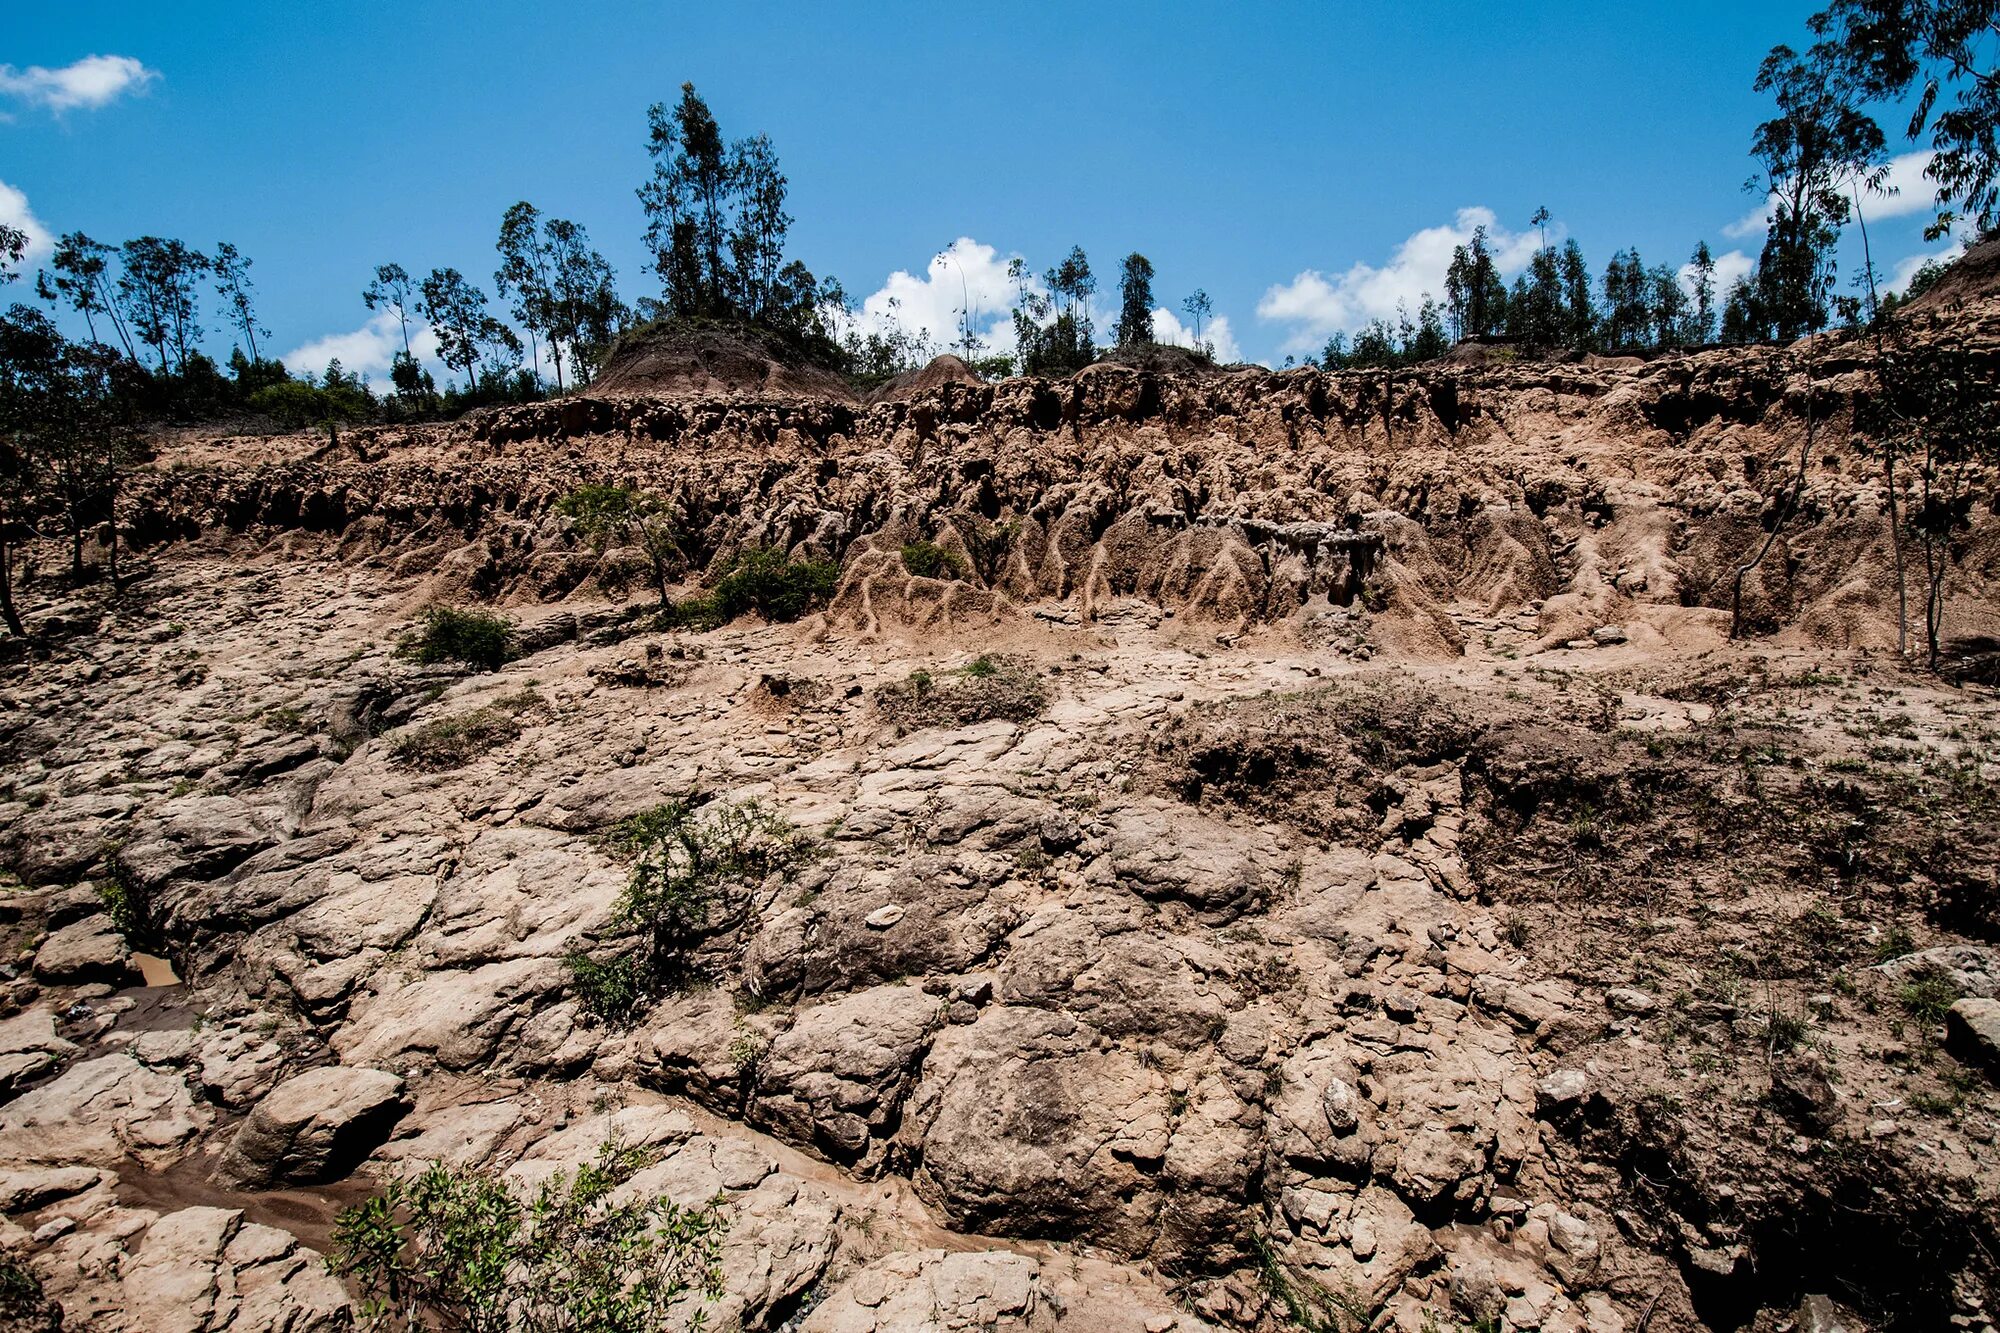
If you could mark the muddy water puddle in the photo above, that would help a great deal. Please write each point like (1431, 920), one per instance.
(308, 1213)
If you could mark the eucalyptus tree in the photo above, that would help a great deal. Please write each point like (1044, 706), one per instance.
(1817, 148)
(1938, 58)
(1135, 301)
(232, 284)
(157, 291)
(1197, 307)
(13, 249)
(456, 312)
(524, 274)
(585, 313)
(79, 275)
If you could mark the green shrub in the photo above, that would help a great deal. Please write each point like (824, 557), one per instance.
(928, 560)
(688, 864)
(607, 514)
(294, 403)
(126, 901)
(449, 634)
(701, 612)
(24, 1307)
(460, 1248)
(764, 581)
(986, 688)
(612, 988)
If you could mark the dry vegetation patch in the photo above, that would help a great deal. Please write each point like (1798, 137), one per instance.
(988, 687)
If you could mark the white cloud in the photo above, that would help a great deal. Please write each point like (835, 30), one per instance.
(1728, 268)
(1317, 306)
(1167, 328)
(1904, 191)
(1906, 268)
(14, 212)
(91, 82)
(966, 274)
(1754, 223)
(368, 351)
(1913, 194)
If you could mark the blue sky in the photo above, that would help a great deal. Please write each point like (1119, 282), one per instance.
(1262, 152)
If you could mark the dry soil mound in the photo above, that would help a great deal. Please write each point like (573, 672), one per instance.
(711, 358)
(943, 370)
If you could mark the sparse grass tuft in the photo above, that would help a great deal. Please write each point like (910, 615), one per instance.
(454, 742)
(1928, 996)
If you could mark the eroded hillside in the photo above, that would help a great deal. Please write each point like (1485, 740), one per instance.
(1312, 857)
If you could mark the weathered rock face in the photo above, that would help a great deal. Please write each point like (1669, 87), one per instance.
(1604, 499)
(1227, 983)
(314, 1127)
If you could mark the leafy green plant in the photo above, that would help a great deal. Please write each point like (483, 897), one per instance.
(765, 581)
(613, 988)
(1928, 995)
(607, 514)
(23, 1305)
(458, 1248)
(687, 861)
(928, 560)
(452, 634)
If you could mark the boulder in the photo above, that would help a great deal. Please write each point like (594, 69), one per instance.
(836, 1079)
(995, 1289)
(29, 1048)
(85, 952)
(1972, 1033)
(314, 1127)
(101, 1110)
(1974, 970)
(206, 1268)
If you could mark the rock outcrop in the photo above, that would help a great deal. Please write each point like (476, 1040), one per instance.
(1312, 857)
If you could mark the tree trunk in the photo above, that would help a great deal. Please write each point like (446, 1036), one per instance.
(8, 613)
(1896, 545)
(111, 525)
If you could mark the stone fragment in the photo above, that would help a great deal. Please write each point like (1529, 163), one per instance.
(1564, 1088)
(1626, 1000)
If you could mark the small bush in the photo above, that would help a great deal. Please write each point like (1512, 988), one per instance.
(454, 1247)
(607, 514)
(126, 901)
(928, 560)
(986, 688)
(690, 864)
(701, 612)
(449, 634)
(764, 581)
(454, 742)
(24, 1308)
(612, 988)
